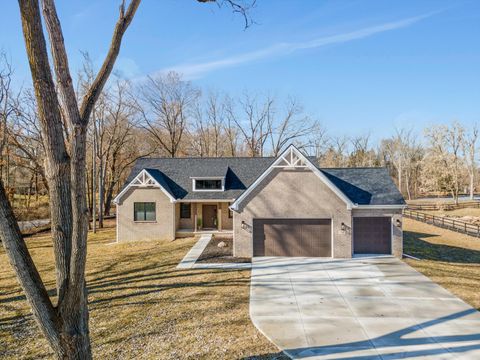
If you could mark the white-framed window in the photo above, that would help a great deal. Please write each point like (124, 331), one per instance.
(208, 184)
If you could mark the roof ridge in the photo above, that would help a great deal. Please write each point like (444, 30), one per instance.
(206, 157)
(353, 167)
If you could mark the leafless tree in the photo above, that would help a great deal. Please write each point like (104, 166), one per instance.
(64, 121)
(362, 154)
(469, 152)
(252, 120)
(336, 153)
(443, 165)
(26, 137)
(293, 125)
(8, 108)
(65, 325)
(230, 128)
(208, 133)
(403, 154)
(166, 104)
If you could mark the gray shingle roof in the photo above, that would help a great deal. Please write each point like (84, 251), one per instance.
(366, 186)
(363, 186)
(239, 174)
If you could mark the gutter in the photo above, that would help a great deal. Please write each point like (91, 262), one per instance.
(357, 206)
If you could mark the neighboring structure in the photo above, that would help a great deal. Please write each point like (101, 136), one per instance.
(285, 206)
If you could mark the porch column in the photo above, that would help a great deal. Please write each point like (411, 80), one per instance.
(219, 216)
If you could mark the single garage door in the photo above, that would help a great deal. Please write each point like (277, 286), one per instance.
(292, 237)
(372, 235)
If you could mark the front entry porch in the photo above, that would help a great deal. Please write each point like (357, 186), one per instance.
(192, 218)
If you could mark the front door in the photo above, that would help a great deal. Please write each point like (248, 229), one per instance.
(209, 216)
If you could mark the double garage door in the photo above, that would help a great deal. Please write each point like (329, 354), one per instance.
(292, 237)
(313, 237)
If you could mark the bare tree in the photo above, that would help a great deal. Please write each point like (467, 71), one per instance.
(230, 128)
(253, 122)
(8, 107)
(294, 125)
(402, 154)
(443, 166)
(63, 122)
(208, 135)
(167, 104)
(26, 137)
(336, 153)
(469, 152)
(362, 155)
(65, 325)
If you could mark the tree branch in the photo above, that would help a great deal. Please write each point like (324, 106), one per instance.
(124, 20)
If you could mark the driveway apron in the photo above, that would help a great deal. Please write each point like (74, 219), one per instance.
(361, 308)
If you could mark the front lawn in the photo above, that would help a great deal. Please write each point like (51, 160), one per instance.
(449, 258)
(141, 307)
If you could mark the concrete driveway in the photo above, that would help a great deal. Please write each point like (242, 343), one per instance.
(362, 308)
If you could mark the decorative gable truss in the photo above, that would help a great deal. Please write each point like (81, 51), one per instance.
(290, 159)
(143, 180)
(293, 158)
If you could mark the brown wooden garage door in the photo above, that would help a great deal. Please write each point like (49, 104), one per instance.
(292, 237)
(372, 235)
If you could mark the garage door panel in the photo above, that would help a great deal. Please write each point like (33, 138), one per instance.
(291, 237)
(372, 235)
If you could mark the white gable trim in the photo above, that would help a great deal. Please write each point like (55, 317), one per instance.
(143, 180)
(385, 207)
(293, 158)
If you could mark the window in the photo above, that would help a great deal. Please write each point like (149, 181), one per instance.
(185, 211)
(208, 184)
(144, 211)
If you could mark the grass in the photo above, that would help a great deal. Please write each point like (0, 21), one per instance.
(141, 307)
(457, 212)
(449, 258)
(38, 209)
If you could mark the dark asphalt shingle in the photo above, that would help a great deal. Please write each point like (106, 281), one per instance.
(366, 186)
(363, 186)
(177, 173)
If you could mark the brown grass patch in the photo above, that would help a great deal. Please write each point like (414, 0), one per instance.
(449, 258)
(141, 307)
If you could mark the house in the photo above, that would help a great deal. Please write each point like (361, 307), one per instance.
(284, 206)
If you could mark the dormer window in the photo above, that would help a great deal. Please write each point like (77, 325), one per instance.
(208, 184)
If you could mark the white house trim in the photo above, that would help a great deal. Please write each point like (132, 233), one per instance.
(380, 207)
(205, 200)
(143, 180)
(194, 182)
(293, 158)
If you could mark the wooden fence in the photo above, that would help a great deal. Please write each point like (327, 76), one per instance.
(444, 222)
(445, 206)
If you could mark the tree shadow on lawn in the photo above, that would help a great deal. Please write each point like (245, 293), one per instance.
(415, 245)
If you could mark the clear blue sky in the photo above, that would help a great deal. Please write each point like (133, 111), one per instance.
(357, 66)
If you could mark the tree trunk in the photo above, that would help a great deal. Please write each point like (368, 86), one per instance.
(94, 187)
(472, 185)
(101, 190)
